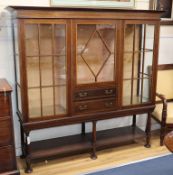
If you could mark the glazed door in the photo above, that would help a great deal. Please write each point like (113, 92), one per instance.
(95, 52)
(139, 62)
(95, 60)
(46, 68)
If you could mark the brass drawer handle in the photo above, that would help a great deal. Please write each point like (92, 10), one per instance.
(83, 107)
(83, 94)
(108, 91)
(108, 104)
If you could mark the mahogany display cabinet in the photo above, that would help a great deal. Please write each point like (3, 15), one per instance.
(83, 65)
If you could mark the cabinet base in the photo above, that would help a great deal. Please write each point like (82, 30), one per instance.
(77, 144)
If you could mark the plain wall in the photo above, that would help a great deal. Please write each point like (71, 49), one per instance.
(7, 71)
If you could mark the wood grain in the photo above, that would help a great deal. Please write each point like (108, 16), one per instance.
(8, 163)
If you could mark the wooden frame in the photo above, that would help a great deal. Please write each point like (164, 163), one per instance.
(86, 103)
(164, 126)
(94, 3)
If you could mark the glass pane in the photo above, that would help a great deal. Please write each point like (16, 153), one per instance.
(60, 100)
(107, 73)
(148, 62)
(31, 40)
(150, 30)
(146, 90)
(19, 99)
(126, 92)
(128, 65)
(60, 71)
(107, 32)
(45, 39)
(138, 30)
(47, 101)
(46, 71)
(95, 53)
(60, 39)
(136, 95)
(130, 31)
(33, 75)
(84, 74)
(34, 103)
(84, 32)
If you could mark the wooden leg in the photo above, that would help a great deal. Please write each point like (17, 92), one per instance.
(148, 131)
(162, 134)
(22, 142)
(28, 166)
(28, 159)
(83, 128)
(134, 121)
(93, 155)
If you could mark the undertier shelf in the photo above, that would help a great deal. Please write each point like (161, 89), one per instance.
(76, 144)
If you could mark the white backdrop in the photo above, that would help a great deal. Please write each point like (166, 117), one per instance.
(7, 71)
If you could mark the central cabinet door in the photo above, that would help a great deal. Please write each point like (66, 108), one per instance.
(46, 68)
(95, 65)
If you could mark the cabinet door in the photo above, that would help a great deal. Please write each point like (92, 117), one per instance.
(95, 53)
(46, 67)
(138, 61)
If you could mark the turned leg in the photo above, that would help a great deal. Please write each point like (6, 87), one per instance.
(93, 155)
(134, 125)
(83, 128)
(148, 131)
(162, 134)
(22, 142)
(28, 165)
(28, 159)
(134, 121)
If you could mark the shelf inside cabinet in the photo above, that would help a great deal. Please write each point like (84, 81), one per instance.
(136, 100)
(77, 144)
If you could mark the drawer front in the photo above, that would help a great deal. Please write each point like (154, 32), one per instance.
(7, 159)
(4, 105)
(95, 105)
(96, 93)
(5, 131)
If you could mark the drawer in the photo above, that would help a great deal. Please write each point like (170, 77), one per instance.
(7, 159)
(95, 93)
(5, 131)
(95, 105)
(4, 105)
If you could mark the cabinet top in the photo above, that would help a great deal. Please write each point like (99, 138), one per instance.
(80, 9)
(4, 86)
(65, 12)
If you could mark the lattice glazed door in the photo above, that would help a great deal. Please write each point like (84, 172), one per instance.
(138, 63)
(46, 62)
(95, 53)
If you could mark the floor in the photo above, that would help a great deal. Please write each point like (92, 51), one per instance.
(80, 164)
